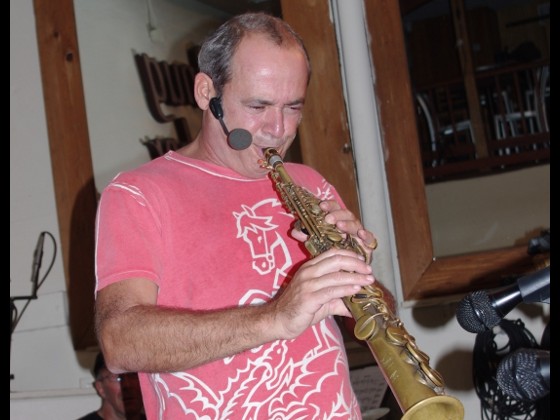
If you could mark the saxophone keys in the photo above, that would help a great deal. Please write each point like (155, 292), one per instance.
(334, 237)
(432, 375)
(397, 335)
(418, 355)
(365, 327)
(315, 209)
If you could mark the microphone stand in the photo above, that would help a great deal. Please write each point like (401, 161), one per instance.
(13, 315)
(37, 260)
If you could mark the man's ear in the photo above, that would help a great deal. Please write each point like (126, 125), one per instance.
(99, 388)
(203, 90)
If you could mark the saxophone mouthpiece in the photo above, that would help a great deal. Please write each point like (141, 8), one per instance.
(269, 151)
(272, 157)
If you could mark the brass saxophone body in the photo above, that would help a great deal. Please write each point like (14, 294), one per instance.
(418, 389)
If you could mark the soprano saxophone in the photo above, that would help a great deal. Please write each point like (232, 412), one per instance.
(418, 389)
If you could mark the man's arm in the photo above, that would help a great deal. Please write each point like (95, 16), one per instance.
(137, 335)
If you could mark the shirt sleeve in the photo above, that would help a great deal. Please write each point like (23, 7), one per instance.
(128, 233)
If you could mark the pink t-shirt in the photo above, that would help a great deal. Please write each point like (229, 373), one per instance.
(210, 238)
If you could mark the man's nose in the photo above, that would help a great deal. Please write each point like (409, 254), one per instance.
(274, 123)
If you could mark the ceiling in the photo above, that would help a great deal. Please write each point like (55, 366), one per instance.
(273, 6)
(421, 7)
(240, 6)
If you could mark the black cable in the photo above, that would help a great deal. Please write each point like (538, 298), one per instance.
(487, 354)
(15, 318)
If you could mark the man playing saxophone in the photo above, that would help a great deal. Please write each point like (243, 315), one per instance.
(203, 285)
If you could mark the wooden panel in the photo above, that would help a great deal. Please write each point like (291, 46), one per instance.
(482, 270)
(72, 168)
(324, 130)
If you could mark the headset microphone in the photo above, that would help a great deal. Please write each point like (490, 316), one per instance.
(238, 138)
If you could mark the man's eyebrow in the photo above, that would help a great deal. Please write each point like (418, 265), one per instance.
(298, 101)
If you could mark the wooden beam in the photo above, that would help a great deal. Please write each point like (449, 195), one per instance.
(324, 133)
(463, 43)
(72, 168)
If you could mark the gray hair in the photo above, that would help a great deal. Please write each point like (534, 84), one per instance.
(216, 53)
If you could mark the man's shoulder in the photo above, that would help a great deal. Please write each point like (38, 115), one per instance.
(301, 168)
(91, 416)
(304, 174)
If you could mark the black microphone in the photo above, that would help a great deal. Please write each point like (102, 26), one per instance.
(525, 374)
(238, 138)
(37, 260)
(481, 311)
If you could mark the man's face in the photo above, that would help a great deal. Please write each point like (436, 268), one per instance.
(265, 96)
(121, 392)
(131, 395)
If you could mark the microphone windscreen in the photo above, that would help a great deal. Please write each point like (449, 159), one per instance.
(519, 375)
(239, 139)
(476, 314)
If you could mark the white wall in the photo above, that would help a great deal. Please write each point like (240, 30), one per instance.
(51, 379)
(109, 34)
(41, 351)
(52, 405)
(512, 208)
(42, 358)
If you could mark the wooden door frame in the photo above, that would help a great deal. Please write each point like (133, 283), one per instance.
(423, 275)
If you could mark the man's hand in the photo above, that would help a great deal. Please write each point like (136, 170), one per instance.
(316, 291)
(347, 223)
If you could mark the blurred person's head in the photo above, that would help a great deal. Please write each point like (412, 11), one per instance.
(120, 394)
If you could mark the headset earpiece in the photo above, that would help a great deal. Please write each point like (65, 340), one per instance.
(216, 107)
